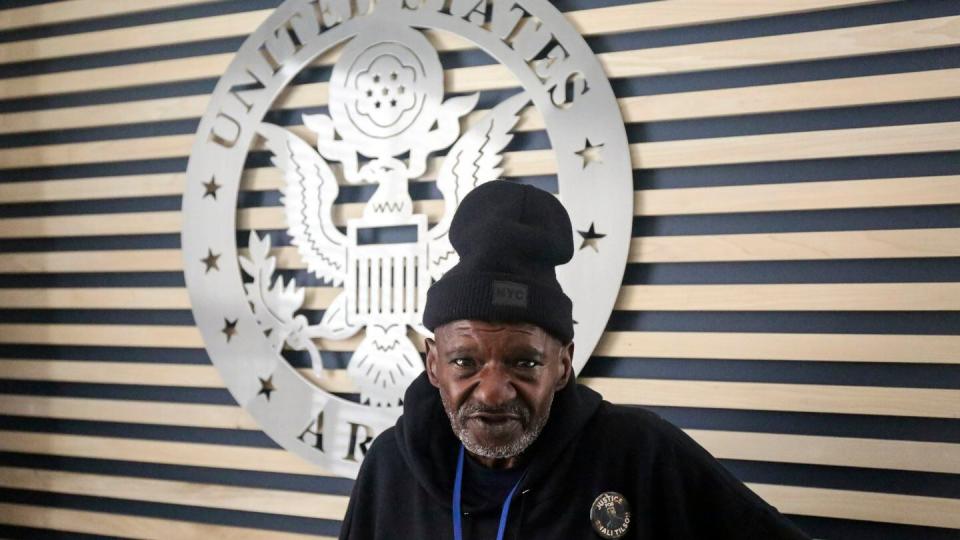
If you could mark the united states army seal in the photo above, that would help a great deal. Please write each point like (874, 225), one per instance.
(610, 515)
(387, 116)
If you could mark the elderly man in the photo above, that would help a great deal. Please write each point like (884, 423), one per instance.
(498, 441)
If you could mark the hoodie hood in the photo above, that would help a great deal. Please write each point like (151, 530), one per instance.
(428, 446)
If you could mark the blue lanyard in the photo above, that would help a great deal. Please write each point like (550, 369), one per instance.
(457, 515)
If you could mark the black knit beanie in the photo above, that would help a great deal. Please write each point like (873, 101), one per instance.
(510, 238)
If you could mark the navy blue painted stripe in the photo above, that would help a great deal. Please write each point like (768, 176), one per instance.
(213, 516)
(88, 243)
(853, 168)
(234, 437)
(830, 271)
(778, 371)
(817, 20)
(825, 424)
(135, 19)
(13, 4)
(867, 219)
(120, 279)
(31, 533)
(812, 70)
(120, 58)
(923, 484)
(861, 374)
(229, 477)
(107, 354)
(827, 322)
(113, 168)
(830, 322)
(850, 168)
(143, 392)
(831, 477)
(767, 26)
(759, 124)
(865, 530)
(797, 423)
(931, 270)
(116, 95)
(902, 217)
(800, 121)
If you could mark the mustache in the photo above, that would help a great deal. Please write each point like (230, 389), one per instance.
(514, 408)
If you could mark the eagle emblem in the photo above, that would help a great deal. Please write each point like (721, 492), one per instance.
(387, 115)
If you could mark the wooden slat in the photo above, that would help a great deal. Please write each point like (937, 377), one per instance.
(906, 509)
(842, 504)
(874, 193)
(87, 371)
(192, 376)
(727, 297)
(134, 37)
(879, 193)
(109, 150)
(887, 140)
(807, 449)
(96, 298)
(798, 47)
(103, 523)
(798, 246)
(168, 222)
(243, 499)
(832, 451)
(112, 187)
(716, 345)
(108, 336)
(590, 22)
(786, 97)
(121, 335)
(81, 10)
(770, 447)
(774, 197)
(835, 143)
(128, 411)
(121, 260)
(836, 399)
(805, 46)
(156, 451)
(905, 243)
(783, 346)
(865, 506)
(792, 297)
(797, 96)
(938, 190)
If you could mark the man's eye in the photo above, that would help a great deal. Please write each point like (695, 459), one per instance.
(527, 364)
(463, 362)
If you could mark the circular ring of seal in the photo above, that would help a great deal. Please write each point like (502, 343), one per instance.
(566, 84)
(610, 515)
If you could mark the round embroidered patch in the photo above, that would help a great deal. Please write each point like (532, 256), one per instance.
(610, 515)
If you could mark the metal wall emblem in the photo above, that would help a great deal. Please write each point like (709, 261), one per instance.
(387, 119)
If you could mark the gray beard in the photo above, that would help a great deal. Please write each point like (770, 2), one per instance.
(513, 449)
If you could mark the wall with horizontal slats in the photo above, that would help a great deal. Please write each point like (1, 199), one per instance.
(792, 298)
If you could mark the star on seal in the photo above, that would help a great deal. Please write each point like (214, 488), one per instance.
(610, 515)
(266, 387)
(590, 237)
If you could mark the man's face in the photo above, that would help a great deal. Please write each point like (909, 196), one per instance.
(497, 382)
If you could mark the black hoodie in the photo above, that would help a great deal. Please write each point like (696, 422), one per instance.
(674, 488)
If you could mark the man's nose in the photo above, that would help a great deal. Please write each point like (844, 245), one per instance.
(495, 387)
